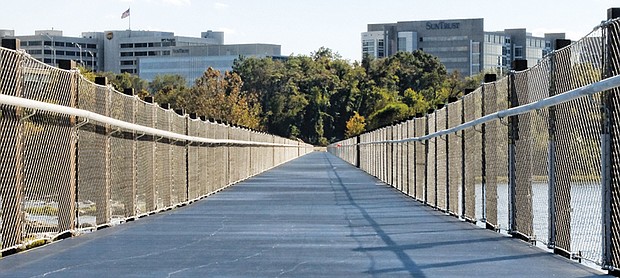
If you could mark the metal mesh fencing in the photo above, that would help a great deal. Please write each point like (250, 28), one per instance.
(163, 175)
(455, 158)
(496, 156)
(62, 174)
(178, 162)
(431, 163)
(420, 159)
(531, 175)
(11, 128)
(146, 199)
(473, 153)
(613, 104)
(578, 155)
(442, 161)
(396, 150)
(47, 139)
(411, 163)
(541, 164)
(197, 157)
(93, 194)
(122, 148)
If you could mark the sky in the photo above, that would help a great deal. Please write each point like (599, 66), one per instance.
(299, 26)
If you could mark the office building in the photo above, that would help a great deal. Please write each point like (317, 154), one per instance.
(123, 49)
(460, 44)
(50, 46)
(191, 61)
(144, 53)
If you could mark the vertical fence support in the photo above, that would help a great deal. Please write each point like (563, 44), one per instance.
(608, 109)
(66, 205)
(488, 78)
(151, 197)
(357, 151)
(559, 206)
(512, 138)
(13, 194)
(103, 194)
(551, 157)
(131, 192)
(425, 193)
(462, 195)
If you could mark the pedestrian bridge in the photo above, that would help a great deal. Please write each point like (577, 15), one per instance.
(519, 177)
(315, 216)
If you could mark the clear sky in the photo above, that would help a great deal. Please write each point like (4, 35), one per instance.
(300, 26)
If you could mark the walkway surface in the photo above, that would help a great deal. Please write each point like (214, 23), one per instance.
(313, 217)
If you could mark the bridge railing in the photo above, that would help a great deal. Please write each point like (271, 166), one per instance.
(535, 154)
(77, 156)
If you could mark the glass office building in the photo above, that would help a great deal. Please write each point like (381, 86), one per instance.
(144, 53)
(460, 44)
(191, 61)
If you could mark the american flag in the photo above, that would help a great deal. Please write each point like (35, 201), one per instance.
(125, 14)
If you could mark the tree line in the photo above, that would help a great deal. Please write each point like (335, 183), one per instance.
(319, 98)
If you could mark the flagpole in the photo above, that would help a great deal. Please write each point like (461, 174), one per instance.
(129, 18)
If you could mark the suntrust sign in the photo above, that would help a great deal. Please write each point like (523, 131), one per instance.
(442, 25)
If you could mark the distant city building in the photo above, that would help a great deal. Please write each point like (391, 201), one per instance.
(145, 53)
(460, 44)
(191, 61)
(123, 49)
(50, 46)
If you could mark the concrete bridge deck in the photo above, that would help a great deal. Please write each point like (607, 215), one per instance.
(313, 217)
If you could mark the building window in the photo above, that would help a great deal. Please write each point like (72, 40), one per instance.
(49, 43)
(421, 39)
(127, 71)
(475, 47)
(70, 53)
(127, 63)
(91, 46)
(47, 52)
(47, 61)
(518, 51)
(126, 45)
(137, 45)
(23, 43)
(126, 54)
(59, 44)
(140, 53)
(402, 44)
(60, 52)
(165, 52)
(34, 43)
(153, 53)
(34, 51)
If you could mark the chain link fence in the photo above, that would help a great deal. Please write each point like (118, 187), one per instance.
(63, 173)
(535, 154)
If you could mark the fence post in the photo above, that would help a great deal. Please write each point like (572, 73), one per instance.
(462, 206)
(66, 206)
(552, 154)
(608, 152)
(150, 195)
(357, 151)
(488, 78)
(12, 170)
(513, 136)
(103, 194)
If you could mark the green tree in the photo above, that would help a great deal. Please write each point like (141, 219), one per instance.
(167, 82)
(355, 125)
(217, 96)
